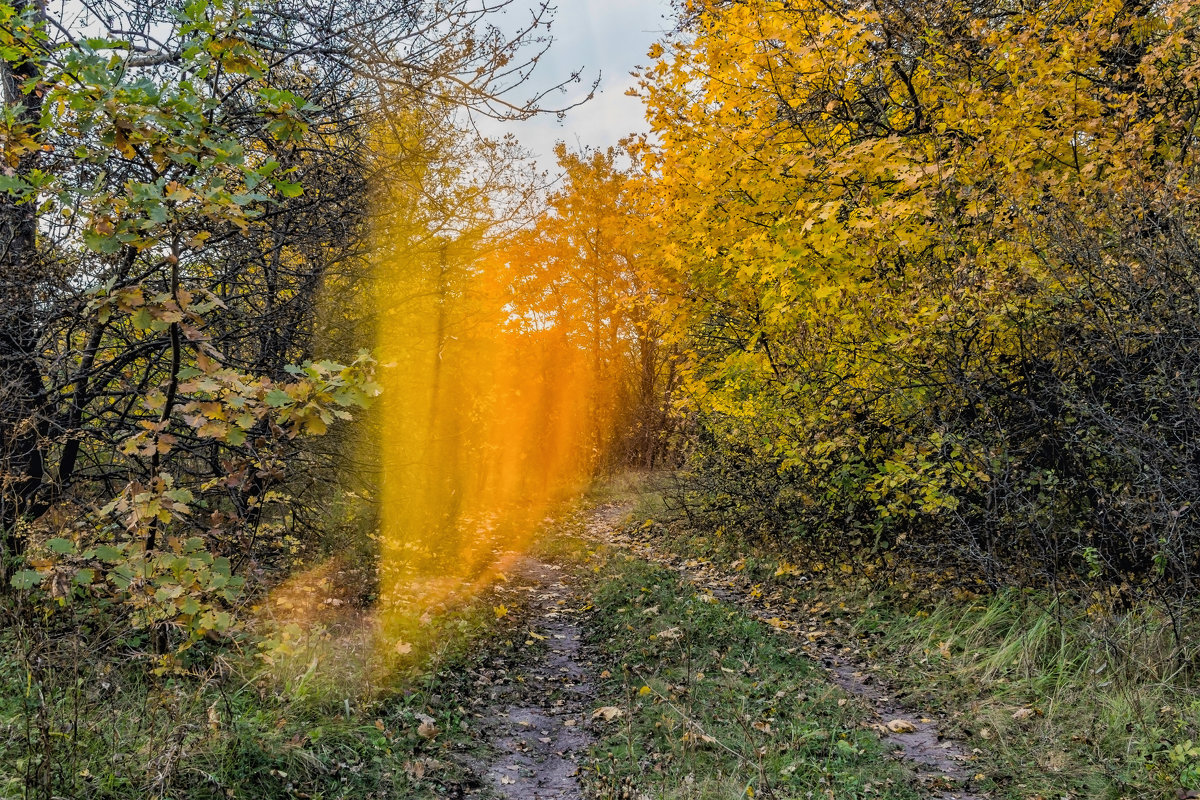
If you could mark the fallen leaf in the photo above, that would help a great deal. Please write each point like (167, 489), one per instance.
(427, 731)
(607, 713)
(901, 726)
(1022, 713)
(403, 648)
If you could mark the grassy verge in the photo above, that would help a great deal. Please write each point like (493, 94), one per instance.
(1062, 697)
(696, 700)
(315, 711)
(1060, 700)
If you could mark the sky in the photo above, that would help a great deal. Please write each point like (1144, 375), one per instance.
(605, 39)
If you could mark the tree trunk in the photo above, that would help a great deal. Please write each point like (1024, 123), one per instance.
(23, 423)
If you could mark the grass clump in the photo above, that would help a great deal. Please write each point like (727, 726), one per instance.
(697, 700)
(1060, 698)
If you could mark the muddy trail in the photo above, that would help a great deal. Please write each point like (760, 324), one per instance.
(536, 721)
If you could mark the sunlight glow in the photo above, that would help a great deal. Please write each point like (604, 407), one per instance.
(486, 423)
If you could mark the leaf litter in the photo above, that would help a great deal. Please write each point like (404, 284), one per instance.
(537, 718)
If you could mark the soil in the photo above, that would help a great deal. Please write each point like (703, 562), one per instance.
(941, 763)
(536, 719)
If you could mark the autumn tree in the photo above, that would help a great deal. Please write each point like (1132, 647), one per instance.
(931, 265)
(578, 271)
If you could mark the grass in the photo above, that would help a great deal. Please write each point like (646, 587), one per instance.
(707, 703)
(330, 691)
(313, 713)
(1063, 697)
(1060, 699)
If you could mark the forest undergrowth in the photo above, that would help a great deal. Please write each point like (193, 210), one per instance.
(1059, 694)
(316, 695)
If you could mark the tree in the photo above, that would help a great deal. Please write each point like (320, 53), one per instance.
(902, 236)
(178, 189)
(579, 270)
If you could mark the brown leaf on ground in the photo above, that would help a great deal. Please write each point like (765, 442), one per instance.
(901, 726)
(607, 713)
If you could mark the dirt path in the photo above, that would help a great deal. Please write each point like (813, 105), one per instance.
(942, 765)
(536, 724)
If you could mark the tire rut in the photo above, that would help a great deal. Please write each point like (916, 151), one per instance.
(940, 763)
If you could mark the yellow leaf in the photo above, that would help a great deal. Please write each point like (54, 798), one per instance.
(607, 713)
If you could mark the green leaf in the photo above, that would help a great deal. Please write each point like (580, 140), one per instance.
(100, 243)
(13, 185)
(26, 579)
(109, 554)
(277, 398)
(182, 495)
(61, 546)
(288, 189)
(142, 320)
